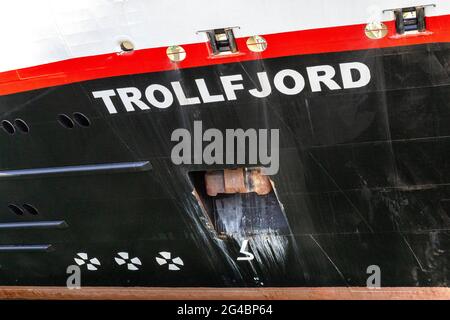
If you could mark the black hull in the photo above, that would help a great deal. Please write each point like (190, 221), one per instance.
(364, 179)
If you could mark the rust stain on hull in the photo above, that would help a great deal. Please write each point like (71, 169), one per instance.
(232, 181)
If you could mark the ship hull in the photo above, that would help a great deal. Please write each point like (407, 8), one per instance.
(363, 178)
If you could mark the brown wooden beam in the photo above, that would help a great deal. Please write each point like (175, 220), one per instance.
(138, 293)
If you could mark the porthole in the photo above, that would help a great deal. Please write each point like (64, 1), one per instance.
(8, 127)
(65, 121)
(15, 209)
(81, 119)
(30, 209)
(22, 126)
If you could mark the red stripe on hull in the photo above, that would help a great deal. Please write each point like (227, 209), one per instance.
(333, 39)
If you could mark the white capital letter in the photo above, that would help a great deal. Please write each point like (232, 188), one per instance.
(229, 87)
(204, 93)
(266, 89)
(129, 96)
(182, 99)
(346, 72)
(326, 77)
(106, 95)
(150, 95)
(299, 82)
